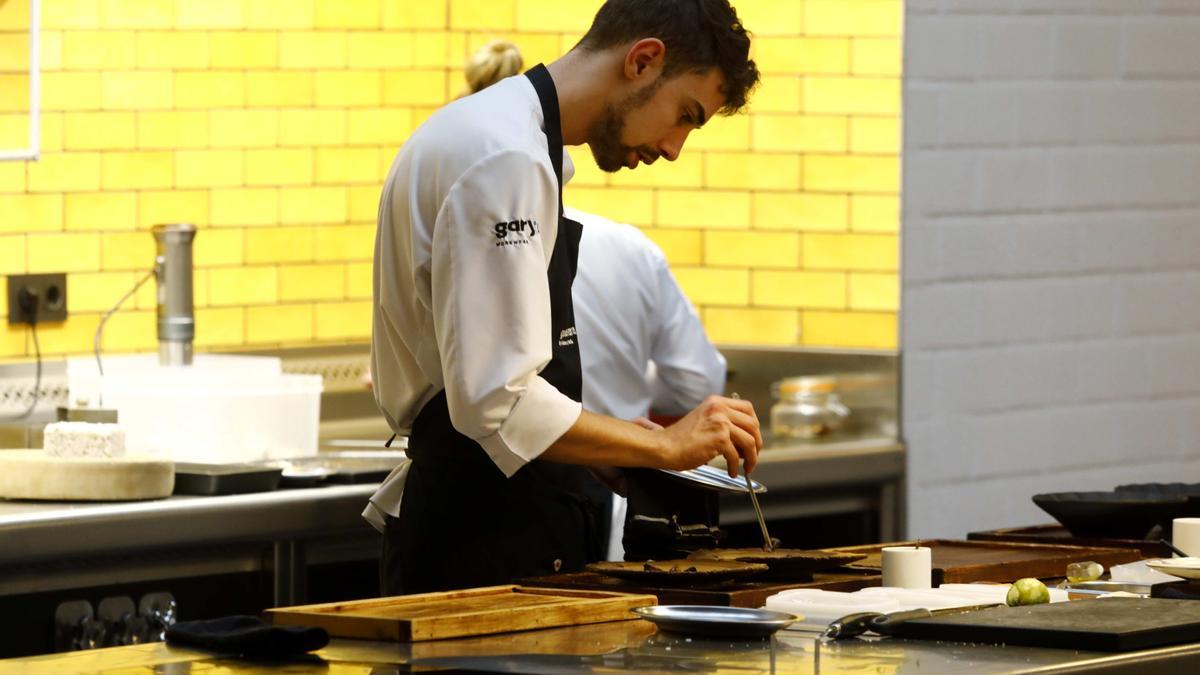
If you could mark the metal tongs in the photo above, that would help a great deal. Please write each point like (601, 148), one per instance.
(768, 543)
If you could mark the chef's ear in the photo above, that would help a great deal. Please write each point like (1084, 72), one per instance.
(644, 57)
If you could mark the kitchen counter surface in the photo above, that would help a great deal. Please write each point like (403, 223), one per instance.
(628, 646)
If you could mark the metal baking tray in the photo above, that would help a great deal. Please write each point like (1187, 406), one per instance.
(224, 479)
(716, 621)
(712, 478)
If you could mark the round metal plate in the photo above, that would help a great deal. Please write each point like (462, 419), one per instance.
(716, 621)
(716, 479)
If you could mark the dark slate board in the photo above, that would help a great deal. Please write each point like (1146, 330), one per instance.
(1106, 625)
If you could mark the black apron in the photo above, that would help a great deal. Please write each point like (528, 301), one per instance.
(464, 524)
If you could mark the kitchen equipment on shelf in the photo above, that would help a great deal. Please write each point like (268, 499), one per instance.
(32, 474)
(808, 407)
(716, 621)
(1121, 514)
(173, 270)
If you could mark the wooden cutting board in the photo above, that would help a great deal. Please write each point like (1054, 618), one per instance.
(962, 562)
(469, 612)
(1057, 534)
(32, 474)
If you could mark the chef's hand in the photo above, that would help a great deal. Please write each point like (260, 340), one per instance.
(718, 426)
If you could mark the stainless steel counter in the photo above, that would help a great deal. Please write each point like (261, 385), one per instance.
(631, 646)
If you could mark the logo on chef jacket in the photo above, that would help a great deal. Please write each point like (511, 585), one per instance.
(566, 337)
(515, 232)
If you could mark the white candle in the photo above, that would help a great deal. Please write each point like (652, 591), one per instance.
(1185, 534)
(907, 567)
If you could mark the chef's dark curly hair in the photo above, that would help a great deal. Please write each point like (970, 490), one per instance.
(698, 34)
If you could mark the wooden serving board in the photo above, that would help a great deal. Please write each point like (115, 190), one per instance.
(1057, 534)
(961, 562)
(469, 612)
(737, 593)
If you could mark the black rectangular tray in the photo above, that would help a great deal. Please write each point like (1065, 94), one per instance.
(224, 479)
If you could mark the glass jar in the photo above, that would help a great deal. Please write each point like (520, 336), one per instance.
(808, 407)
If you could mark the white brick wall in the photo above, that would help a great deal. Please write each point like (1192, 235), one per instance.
(1051, 262)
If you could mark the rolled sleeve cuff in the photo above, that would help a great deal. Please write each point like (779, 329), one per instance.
(539, 418)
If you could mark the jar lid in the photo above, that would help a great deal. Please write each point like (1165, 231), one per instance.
(808, 385)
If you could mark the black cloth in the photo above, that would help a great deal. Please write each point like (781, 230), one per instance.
(462, 523)
(248, 636)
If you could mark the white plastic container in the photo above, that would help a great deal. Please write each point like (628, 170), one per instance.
(818, 608)
(221, 409)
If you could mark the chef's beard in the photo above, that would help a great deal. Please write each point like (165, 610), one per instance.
(604, 137)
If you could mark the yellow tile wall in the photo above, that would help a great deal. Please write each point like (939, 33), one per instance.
(271, 124)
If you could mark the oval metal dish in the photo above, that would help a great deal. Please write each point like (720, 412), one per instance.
(716, 621)
(711, 477)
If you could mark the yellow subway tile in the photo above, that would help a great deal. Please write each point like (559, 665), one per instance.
(852, 173)
(803, 56)
(171, 50)
(243, 286)
(800, 133)
(414, 15)
(127, 251)
(76, 252)
(821, 290)
(220, 327)
(312, 205)
(279, 14)
(282, 323)
(707, 209)
(363, 202)
(70, 91)
(721, 133)
(877, 252)
(243, 128)
(359, 281)
(204, 90)
(312, 282)
(877, 56)
(310, 49)
(138, 170)
(347, 165)
(875, 135)
(852, 95)
(344, 320)
(752, 171)
(387, 156)
(560, 16)
(624, 206)
(279, 88)
(244, 207)
(777, 94)
(244, 50)
(219, 247)
(345, 242)
(685, 172)
(208, 168)
(14, 130)
(801, 211)
(99, 291)
(62, 172)
(383, 50)
(50, 50)
(752, 249)
(172, 130)
(73, 336)
(15, 16)
(312, 127)
(752, 326)
(415, 87)
(130, 331)
(136, 90)
(99, 50)
(173, 206)
(292, 166)
(12, 177)
(31, 213)
(587, 174)
(348, 88)
(875, 213)
(481, 15)
(849, 329)
(854, 17)
(14, 93)
(75, 14)
(12, 254)
(209, 14)
(137, 13)
(100, 131)
(878, 292)
(343, 14)
(772, 17)
(101, 211)
(280, 244)
(14, 342)
(14, 53)
(431, 49)
(704, 285)
(682, 247)
(376, 126)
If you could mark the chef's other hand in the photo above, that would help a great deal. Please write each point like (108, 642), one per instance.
(718, 426)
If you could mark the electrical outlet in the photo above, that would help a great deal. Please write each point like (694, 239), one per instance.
(37, 297)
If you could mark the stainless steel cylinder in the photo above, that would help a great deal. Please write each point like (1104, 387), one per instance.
(176, 316)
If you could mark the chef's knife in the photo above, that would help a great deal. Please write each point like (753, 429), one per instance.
(853, 625)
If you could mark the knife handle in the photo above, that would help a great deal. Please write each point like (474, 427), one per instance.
(885, 624)
(851, 625)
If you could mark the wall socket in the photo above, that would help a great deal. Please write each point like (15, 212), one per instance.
(40, 297)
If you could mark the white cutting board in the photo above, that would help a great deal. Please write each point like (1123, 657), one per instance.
(32, 474)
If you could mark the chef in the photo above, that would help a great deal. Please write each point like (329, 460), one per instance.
(475, 352)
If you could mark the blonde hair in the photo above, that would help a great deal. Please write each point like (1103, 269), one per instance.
(493, 62)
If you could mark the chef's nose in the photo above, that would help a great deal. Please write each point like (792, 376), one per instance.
(672, 145)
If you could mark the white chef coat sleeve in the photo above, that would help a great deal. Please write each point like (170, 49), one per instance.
(687, 367)
(492, 243)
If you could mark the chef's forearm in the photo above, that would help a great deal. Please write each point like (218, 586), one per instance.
(597, 440)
